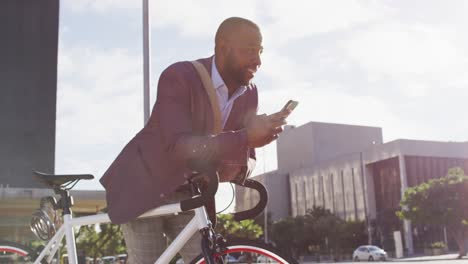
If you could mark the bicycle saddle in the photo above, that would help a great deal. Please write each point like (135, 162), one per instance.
(52, 180)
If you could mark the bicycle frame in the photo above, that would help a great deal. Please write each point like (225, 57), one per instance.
(199, 221)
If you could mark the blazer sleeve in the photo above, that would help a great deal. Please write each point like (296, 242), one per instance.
(252, 155)
(173, 111)
(247, 170)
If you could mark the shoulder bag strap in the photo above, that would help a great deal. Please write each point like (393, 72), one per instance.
(210, 90)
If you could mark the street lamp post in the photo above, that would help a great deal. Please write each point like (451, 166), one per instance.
(146, 61)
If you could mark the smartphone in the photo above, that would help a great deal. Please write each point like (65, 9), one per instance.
(290, 105)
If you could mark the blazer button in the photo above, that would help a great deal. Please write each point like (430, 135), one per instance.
(161, 195)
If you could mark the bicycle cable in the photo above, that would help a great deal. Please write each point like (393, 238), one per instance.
(232, 199)
(72, 183)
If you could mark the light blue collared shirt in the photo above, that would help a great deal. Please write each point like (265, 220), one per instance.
(225, 103)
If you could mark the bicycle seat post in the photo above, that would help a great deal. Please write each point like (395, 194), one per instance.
(65, 203)
(66, 200)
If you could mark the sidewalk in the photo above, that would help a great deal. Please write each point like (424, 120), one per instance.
(421, 258)
(450, 256)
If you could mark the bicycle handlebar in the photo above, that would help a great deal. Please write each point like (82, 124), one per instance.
(212, 188)
(259, 207)
(208, 193)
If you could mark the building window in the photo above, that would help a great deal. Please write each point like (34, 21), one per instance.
(305, 197)
(332, 192)
(297, 198)
(343, 194)
(354, 195)
(313, 191)
(322, 186)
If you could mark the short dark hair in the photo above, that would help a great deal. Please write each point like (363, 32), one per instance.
(231, 25)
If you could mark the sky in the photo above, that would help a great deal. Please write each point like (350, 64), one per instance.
(399, 65)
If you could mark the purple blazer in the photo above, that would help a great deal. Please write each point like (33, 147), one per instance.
(154, 163)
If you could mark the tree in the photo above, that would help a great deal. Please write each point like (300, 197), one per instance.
(440, 202)
(108, 241)
(289, 235)
(385, 223)
(353, 234)
(319, 231)
(244, 229)
(325, 228)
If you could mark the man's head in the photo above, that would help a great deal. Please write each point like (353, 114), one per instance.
(238, 45)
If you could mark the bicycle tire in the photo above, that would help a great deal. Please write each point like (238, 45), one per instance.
(241, 248)
(12, 252)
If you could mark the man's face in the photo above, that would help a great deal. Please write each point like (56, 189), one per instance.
(243, 55)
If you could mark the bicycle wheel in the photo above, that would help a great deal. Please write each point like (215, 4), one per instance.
(11, 252)
(245, 251)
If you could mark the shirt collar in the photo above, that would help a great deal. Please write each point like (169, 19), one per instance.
(218, 81)
(215, 76)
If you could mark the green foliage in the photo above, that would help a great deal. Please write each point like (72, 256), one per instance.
(438, 245)
(244, 229)
(289, 235)
(105, 241)
(319, 231)
(353, 234)
(440, 202)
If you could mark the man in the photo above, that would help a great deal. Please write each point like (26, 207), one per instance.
(148, 171)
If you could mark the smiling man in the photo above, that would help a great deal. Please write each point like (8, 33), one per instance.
(151, 168)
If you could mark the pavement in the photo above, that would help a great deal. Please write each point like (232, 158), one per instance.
(450, 256)
(445, 258)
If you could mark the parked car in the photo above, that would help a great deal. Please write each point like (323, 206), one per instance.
(369, 253)
(122, 258)
(108, 260)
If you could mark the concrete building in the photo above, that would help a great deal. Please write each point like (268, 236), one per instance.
(276, 183)
(350, 171)
(28, 81)
(28, 92)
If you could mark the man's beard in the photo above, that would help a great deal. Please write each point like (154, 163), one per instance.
(237, 74)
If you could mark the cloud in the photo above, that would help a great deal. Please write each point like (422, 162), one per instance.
(196, 19)
(98, 107)
(402, 51)
(290, 21)
(376, 63)
(325, 104)
(100, 6)
(294, 19)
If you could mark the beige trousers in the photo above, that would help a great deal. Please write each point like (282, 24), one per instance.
(147, 238)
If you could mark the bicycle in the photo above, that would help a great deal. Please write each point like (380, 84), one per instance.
(214, 248)
(11, 252)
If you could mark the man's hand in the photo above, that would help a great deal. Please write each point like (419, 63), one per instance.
(263, 129)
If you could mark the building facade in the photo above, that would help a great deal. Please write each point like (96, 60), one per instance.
(28, 92)
(350, 171)
(28, 81)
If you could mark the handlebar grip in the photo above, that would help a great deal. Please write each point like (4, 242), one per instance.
(206, 195)
(259, 207)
